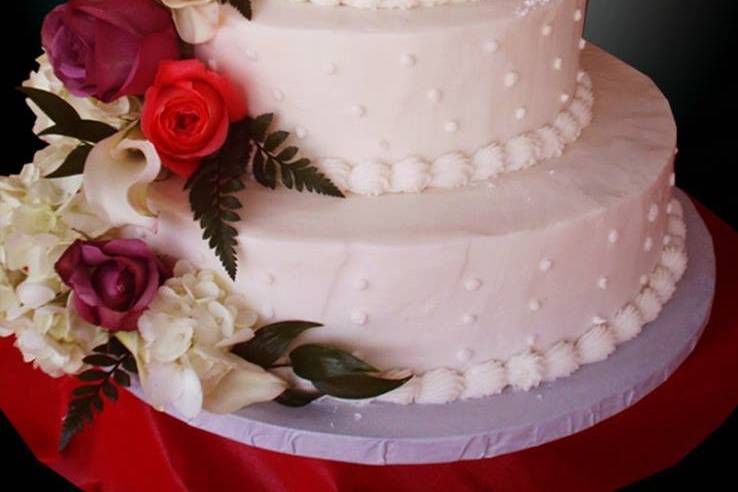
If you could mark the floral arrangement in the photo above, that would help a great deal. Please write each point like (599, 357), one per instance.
(119, 104)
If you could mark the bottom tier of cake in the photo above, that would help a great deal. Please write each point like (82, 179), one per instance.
(511, 283)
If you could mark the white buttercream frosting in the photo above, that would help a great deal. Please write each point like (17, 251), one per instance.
(560, 361)
(663, 282)
(338, 170)
(370, 177)
(485, 379)
(522, 151)
(649, 304)
(440, 386)
(596, 345)
(410, 175)
(488, 162)
(627, 323)
(550, 143)
(525, 371)
(451, 171)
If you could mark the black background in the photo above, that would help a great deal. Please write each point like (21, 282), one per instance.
(687, 46)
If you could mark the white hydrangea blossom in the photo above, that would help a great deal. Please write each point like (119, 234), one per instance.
(182, 347)
(39, 219)
(119, 113)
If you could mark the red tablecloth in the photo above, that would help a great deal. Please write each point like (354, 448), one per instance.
(131, 447)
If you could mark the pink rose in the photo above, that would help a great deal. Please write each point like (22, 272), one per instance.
(108, 48)
(113, 282)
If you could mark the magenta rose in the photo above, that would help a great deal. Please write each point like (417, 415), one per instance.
(113, 282)
(109, 48)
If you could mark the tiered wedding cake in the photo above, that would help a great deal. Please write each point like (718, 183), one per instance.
(500, 205)
(508, 213)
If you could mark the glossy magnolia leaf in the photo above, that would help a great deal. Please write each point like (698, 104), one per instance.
(296, 398)
(318, 362)
(271, 342)
(53, 106)
(357, 386)
(84, 130)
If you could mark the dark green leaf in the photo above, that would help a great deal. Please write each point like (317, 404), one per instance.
(53, 106)
(270, 173)
(243, 6)
(100, 360)
(287, 154)
(357, 386)
(101, 349)
(116, 347)
(258, 127)
(92, 375)
(78, 413)
(211, 194)
(315, 362)
(97, 402)
(122, 378)
(297, 398)
(74, 164)
(271, 342)
(129, 364)
(110, 390)
(85, 390)
(84, 130)
(274, 140)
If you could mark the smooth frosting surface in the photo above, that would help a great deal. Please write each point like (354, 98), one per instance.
(454, 279)
(397, 101)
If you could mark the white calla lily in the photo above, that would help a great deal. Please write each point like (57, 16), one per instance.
(174, 384)
(116, 178)
(197, 21)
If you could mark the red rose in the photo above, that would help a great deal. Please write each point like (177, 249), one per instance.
(187, 113)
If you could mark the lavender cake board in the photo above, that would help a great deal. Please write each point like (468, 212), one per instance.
(382, 433)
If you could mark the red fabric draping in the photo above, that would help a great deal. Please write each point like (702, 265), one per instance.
(131, 447)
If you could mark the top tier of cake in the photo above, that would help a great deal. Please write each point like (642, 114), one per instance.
(400, 101)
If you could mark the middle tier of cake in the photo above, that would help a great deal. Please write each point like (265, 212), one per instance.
(457, 278)
(401, 101)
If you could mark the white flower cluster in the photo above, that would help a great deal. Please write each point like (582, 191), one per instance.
(183, 343)
(119, 113)
(39, 219)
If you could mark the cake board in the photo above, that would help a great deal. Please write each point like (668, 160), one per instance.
(384, 433)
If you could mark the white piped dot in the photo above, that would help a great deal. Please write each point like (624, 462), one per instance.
(603, 282)
(558, 63)
(451, 126)
(361, 284)
(578, 15)
(473, 284)
(565, 98)
(598, 320)
(581, 75)
(464, 355)
(301, 132)
(521, 113)
(672, 179)
(468, 319)
(534, 305)
(491, 46)
(358, 110)
(582, 43)
(408, 60)
(330, 68)
(613, 236)
(434, 95)
(359, 318)
(251, 54)
(511, 79)
(666, 240)
(653, 213)
(648, 244)
(358, 416)
(530, 341)
(644, 279)
(268, 312)
(547, 30)
(267, 278)
(545, 265)
(278, 95)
